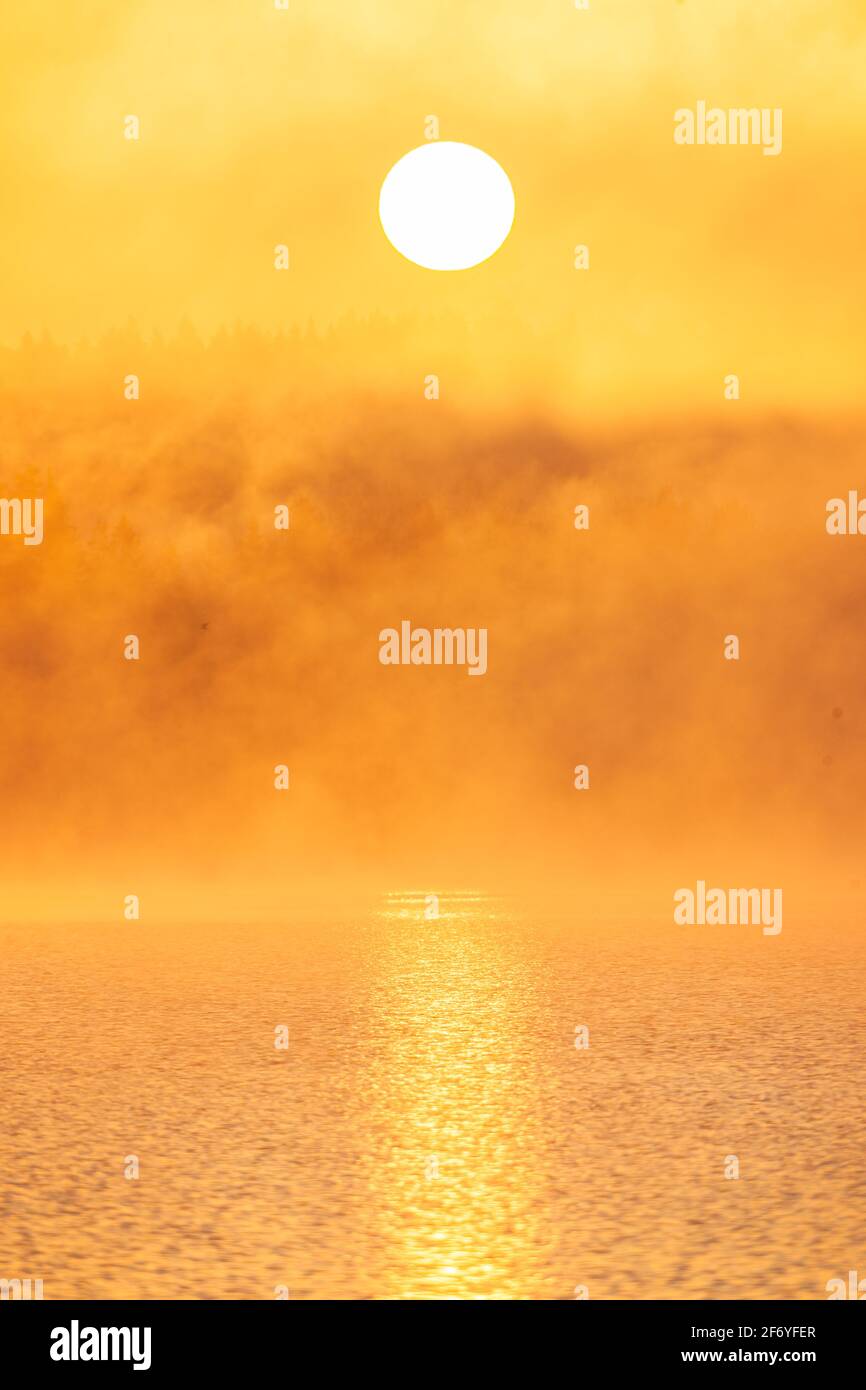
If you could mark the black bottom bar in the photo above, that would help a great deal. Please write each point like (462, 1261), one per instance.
(232, 1338)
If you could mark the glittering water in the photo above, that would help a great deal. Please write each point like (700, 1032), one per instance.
(431, 1131)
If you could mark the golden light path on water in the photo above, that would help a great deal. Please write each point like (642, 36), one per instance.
(456, 1067)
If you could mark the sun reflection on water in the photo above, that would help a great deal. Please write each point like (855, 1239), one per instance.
(457, 1196)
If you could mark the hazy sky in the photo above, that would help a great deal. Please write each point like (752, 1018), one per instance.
(558, 387)
(260, 127)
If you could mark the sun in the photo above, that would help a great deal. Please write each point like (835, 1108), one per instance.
(446, 206)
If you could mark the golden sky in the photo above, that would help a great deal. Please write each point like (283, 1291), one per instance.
(558, 387)
(260, 126)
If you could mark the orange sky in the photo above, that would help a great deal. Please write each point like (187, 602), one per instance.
(558, 387)
(260, 127)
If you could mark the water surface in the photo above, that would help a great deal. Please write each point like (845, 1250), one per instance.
(431, 1131)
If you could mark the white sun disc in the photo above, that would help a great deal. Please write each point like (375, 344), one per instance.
(446, 206)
